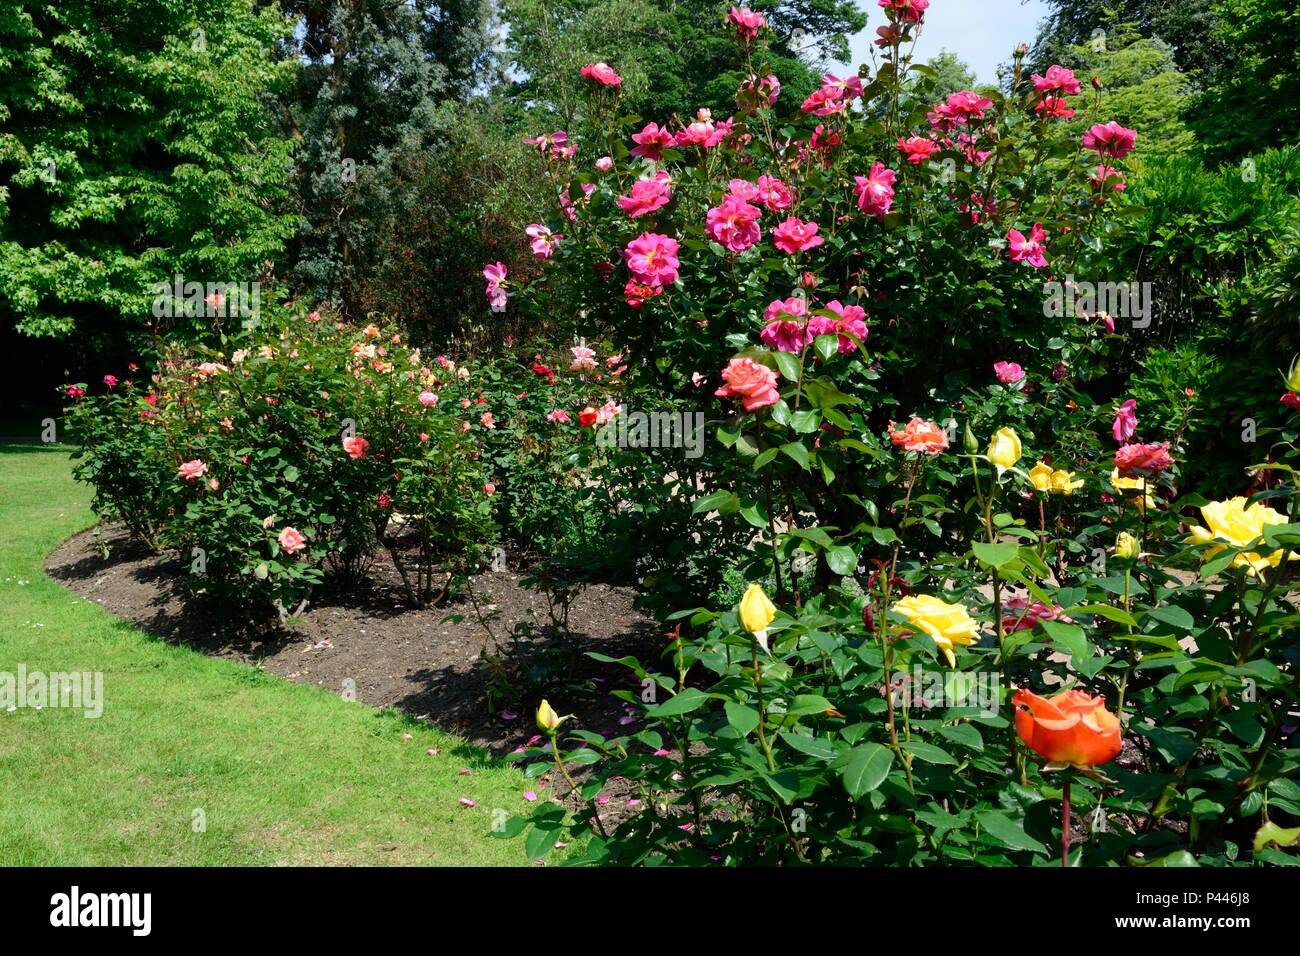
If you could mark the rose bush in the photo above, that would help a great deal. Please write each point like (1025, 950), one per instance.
(812, 279)
(294, 454)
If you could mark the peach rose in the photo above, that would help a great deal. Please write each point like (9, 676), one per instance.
(292, 540)
(1071, 727)
(920, 436)
(753, 383)
(192, 469)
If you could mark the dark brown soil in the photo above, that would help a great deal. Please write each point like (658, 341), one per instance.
(429, 663)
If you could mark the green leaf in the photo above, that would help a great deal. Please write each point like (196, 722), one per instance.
(1174, 616)
(996, 555)
(742, 718)
(842, 559)
(817, 747)
(798, 452)
(1116, 614)
(1005, 830)
(1069, 637)
(789, 365)
(929, 753)
(688, 700)
(867, 767)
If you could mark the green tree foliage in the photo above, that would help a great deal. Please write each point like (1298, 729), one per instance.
(455, 208)
(671, 54)
(1142, 87)
(375, 82)
(134, 146)
(1187, 26)
(1256, 104)
(951, 75)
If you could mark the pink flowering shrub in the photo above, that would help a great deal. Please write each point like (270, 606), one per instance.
(928, 514)
(296, 454)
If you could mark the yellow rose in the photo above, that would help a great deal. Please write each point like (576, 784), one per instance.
(548, 721)
(1126, 546)
(1063, 482)
(757, 613)
(1233, 522)
(1005, 450)
(1143, 499)
(947, 624)
(1041, 476)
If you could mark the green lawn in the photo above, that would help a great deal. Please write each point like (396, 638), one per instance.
(283, 773)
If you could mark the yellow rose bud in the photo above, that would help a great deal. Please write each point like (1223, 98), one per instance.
(1005, 450)
(947, 624)
(548, 721)
(757, 613)
(1126, 546)
(1063, 482)
(1041, 476)
(1293, 376)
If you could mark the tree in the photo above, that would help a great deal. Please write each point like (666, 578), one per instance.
(377, 80)
(134, 146)
(951, 75)
(1257, 104)
(1187, 26)
(671, 55)
(1142, 86)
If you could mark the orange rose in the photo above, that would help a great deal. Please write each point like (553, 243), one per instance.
(1071, 727)
(920, 436)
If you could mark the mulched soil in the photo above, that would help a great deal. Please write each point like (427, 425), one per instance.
(429, 663)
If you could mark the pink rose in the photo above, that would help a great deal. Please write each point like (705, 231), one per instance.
(1110, 139)
(747, 23)
(1008, 373)
(734, 224)
(1143, 461)
(754, 384)
(1057, 80)
(355, 447)
(876, 191)
(192, 469)
(544, 242)
(651, 142)
(905, 11)
(558, 416)
(602, 74)
(647, 195)
(917, 149)
(605, 164)
(1032, 250)
(1126, 421)
(652, 259)
(291, 540)
(794, 236)
(428, 399)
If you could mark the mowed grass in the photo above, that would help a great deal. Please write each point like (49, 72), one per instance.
(281, 773)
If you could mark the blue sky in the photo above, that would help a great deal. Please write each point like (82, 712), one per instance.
(981, 32)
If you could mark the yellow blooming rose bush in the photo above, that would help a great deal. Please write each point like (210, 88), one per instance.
(933, 579)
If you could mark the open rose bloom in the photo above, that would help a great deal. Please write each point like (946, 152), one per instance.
(1070, 728)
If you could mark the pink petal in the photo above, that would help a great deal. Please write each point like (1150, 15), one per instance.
(530, 795)
(466, 802)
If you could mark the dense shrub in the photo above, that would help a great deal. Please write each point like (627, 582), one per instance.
(871, 283)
